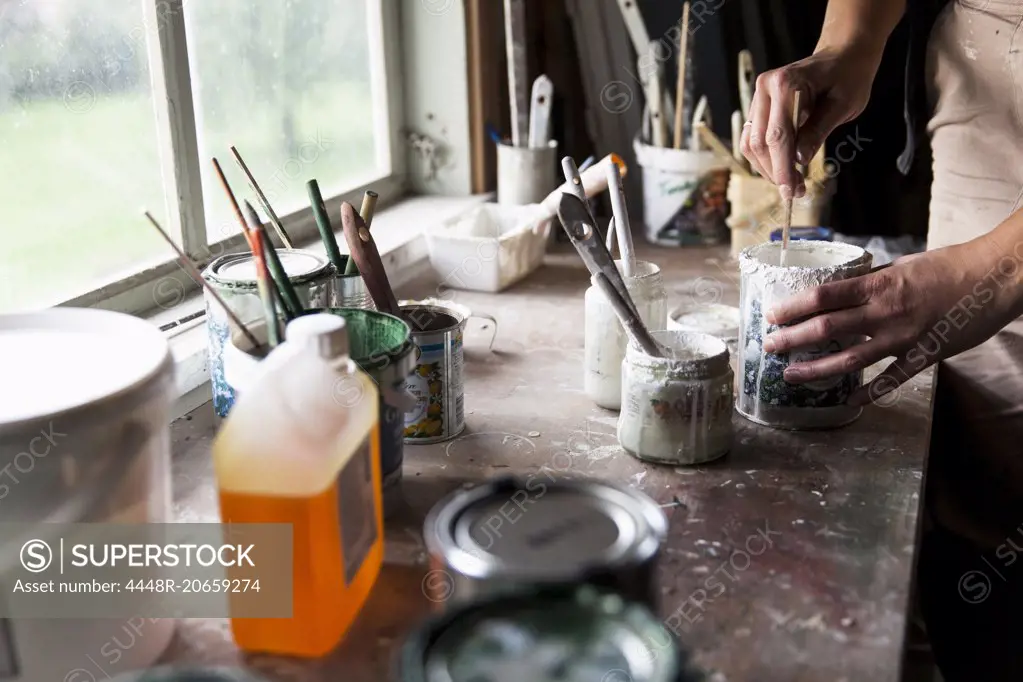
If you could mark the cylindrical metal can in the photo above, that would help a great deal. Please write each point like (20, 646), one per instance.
(542, 530)
(350, 292)
(381, 345)
(764, 395)
(234, 278)
(565, 634)
(438, 328)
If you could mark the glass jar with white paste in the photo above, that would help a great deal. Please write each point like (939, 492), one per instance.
(764, 395)
(605, 339)
(677, 409)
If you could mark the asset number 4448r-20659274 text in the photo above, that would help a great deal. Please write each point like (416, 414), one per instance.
(195, 585)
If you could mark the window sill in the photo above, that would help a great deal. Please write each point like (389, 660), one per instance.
(400, 236)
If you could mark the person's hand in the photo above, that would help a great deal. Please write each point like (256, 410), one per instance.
(834, 87)
(921, 309)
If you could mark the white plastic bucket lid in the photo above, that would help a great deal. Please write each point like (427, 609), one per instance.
(66, 362)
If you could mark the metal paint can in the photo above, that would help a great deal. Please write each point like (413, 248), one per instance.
(513, 533)
(350, 292)
(381, 345)
(438, 328)
(234, 278)
(570, 634)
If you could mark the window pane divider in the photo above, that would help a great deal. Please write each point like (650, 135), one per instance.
(176, 122)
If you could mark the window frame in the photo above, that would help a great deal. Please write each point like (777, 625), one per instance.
(140, 292)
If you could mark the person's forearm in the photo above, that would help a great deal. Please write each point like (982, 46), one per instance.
(1001, 252)
(862, 25)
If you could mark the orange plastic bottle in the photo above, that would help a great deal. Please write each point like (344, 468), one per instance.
(301, 446)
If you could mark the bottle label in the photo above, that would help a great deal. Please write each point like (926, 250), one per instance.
(8, 661)
(357, 508)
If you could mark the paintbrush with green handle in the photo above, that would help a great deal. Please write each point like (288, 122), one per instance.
(369, 205)
(323, 225)
(292, 304)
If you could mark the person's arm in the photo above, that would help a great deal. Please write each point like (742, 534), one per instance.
(834, 84)
(923, 309)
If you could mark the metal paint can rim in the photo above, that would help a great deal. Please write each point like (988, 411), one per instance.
(640, 523)
(572, 616)
(317, 266)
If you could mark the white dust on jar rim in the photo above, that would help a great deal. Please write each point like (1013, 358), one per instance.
(762, 261)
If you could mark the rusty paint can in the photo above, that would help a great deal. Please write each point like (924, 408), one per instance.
(438, 329)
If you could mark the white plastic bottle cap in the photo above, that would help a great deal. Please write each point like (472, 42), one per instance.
(326, 333)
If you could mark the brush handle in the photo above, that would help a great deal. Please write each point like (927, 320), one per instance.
(364, 250)
(655, 100)
(254, 186)
(292, 304)
(515, 45)
(680, 86)
(747, 75)
(787, 225)
(621, 215)
(634, 326)
(540, 112)
(369, 205)
(594, 181)
(323, 225)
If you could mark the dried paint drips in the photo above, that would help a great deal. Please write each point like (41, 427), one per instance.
(677, 409)
(764, 395)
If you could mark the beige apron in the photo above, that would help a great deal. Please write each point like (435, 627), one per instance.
(975, 81)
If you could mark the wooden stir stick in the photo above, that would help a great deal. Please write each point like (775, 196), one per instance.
(364, 250)
(787, 225)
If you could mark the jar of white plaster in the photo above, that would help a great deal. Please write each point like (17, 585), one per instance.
(764, 395)
(605, 339)
(677, 409)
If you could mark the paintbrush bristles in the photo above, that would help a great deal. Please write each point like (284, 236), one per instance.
(194, 273)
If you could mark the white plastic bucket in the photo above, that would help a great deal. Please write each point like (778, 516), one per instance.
(84, 438)
(525, 175)
(684, 195)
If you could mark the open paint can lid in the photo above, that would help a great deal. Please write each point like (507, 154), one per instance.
(544, 531)
(241, 268)
(716, 319)
(76, 365)
(546, 635)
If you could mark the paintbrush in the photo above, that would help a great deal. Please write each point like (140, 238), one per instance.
(263, 201)
(292, 304)
(369, 206)
(621, 220)
(633, 325)
(194, 273)
(263, 284)
(244, 225)
(680, 86)
(323, 225)
(787, 225)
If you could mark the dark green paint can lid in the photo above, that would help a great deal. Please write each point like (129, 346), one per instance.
(546, 635)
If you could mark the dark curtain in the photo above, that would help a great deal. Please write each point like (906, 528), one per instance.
(873, 198)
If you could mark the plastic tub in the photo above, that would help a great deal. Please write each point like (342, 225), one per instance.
(489, 248)
(87, 439)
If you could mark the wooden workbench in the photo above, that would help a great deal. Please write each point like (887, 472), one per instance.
(791, 559)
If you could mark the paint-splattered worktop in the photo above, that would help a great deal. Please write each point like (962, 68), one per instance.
(791, 559)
